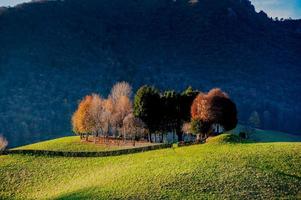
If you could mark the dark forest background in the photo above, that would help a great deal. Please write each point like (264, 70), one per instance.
(52, 53)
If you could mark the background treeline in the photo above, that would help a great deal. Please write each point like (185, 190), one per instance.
(53, 53)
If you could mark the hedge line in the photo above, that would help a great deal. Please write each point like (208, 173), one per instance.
(3, 152)
(184, 144)
(88, 154)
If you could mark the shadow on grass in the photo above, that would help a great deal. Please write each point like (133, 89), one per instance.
(87, 193)
(289, 175)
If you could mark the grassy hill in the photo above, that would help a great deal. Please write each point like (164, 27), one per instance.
(216, 171)
(73, 144)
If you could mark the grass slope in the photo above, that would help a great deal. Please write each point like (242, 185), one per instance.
(268, 135)
(274, 136)
(73, 144)
(216, 171)
(224, 139)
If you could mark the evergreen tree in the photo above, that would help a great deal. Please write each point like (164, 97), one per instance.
(147, 107)
(254, 119)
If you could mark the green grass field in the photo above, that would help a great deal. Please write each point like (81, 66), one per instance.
(214, 171)
(73, 144)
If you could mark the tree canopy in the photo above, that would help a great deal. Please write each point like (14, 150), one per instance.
(215, 107)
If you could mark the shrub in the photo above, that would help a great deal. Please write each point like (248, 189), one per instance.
(243, 135)
(183, 143)
(199, 128)
(3, 143)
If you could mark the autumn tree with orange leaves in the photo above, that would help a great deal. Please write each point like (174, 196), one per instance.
(214, 107)
(122, 105)
(82, 121)
(96, 116)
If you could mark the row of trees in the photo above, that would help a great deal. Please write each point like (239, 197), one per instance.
(112, 116)
(153, 112)
(165, 111)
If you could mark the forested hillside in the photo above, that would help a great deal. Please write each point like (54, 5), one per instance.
(54, 52)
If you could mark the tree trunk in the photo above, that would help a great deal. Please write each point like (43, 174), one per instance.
(123, 137)
(150, 137)
(87, 137)
(180, 136)
(95, 137)
(173, 136)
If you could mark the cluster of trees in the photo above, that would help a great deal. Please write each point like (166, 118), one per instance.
(153, 113)
(188, 112)
(108, 117)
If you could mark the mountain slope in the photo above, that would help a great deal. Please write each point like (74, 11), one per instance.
(54, 52)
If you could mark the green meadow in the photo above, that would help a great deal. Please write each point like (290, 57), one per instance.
(217, 170)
